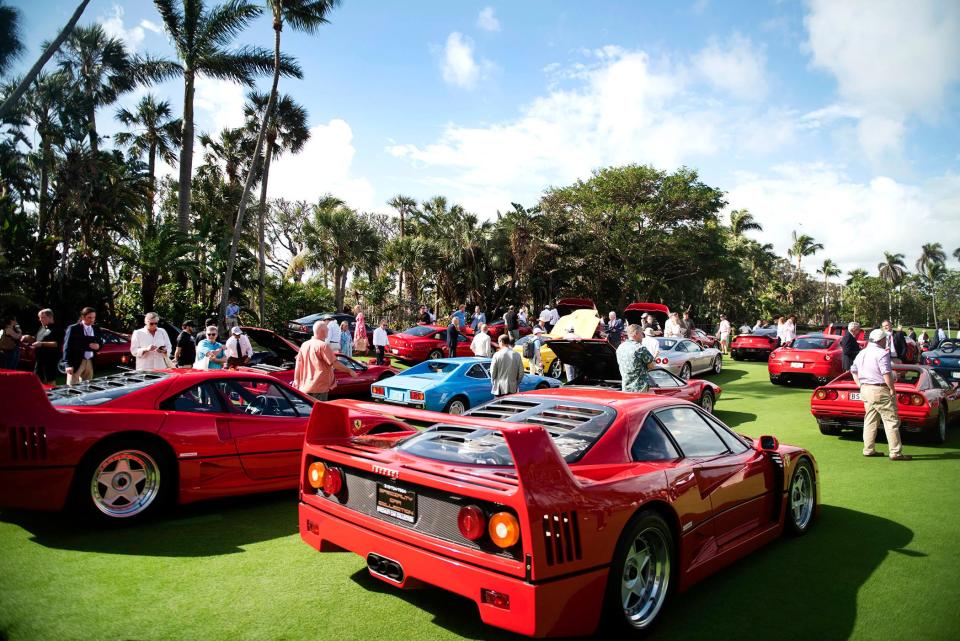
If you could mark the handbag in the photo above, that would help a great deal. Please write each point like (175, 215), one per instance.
(360, 345)
(202, 363)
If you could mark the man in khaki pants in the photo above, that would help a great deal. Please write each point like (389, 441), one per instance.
(873, 373)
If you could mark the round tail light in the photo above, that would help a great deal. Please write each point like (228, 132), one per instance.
(504, 529)
(316, 473)
(936, 361)
(820, 394)
(826, 357)
(333, 481)
(916, 399)
(472, 522)
(832, 395)
(664, 361)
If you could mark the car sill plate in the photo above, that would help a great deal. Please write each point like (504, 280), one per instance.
(397, 502)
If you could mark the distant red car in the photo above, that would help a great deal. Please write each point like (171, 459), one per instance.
(758, 344)
(552, 510)
(926, 403)
(704, 339)
(423, 342)
(275, 355)
(811, 357)
(495, 328)
(838, 328)
(120, 447)
(635, 311)
(114, 351)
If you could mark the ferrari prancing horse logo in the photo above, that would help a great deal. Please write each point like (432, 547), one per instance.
(357, 424)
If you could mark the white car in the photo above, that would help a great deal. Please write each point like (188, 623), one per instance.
(685, 358)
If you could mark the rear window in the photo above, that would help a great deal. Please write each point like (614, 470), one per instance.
(103, 390)
(419, 330)
(574, 427)
(667, 344)
(813, 343)
(907, 376)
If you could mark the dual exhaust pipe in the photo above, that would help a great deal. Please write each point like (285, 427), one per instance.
(384, 567)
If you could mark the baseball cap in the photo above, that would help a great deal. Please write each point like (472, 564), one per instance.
(877, 334)
(648, 331)
(236, 330)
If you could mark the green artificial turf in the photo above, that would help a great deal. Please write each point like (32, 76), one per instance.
(881, 563)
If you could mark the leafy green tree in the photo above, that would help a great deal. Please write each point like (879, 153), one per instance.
(931, 267)
(742, 221)
(801, 247)
(11, 40)
(337, 239)
(405, 206)
(828, 270)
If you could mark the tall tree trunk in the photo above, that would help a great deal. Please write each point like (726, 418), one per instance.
(186, 153)
(151, 167)
(248, 184)
(31, 75)
(92, 130)
(400, 278)
(261, 234)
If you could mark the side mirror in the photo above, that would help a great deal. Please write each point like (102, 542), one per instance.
(767, 443)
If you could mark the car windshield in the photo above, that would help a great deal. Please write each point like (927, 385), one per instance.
(813, 343)
(432, 369)
(103, 390)
(419, 330)
(667, 343)
(573, 426)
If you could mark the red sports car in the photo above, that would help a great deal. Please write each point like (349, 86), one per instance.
(596, 365)
(926, 403)
(810, 357)
(838, 328)
(552, 510)
(114, 351)
(758, 344)
(424, 342)
(276, 356)
(121, 447)
(704, 339)
(495, 329)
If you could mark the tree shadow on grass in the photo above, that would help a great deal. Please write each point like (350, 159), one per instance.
(803, 588)
(726, 376)
(735, 419)
(207, 528)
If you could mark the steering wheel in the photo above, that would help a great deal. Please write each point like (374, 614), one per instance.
(948, 346)
(258, 406)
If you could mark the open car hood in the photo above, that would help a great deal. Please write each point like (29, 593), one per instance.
(634, 311)
(595, 359)
(569, 305)
(584, 322)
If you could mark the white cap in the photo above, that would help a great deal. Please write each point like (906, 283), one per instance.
(236, 330)
(877, 334)
(648, 331)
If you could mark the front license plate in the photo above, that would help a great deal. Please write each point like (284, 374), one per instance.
(397, 502)
(395, 394)
(854, 396)
(797, 365)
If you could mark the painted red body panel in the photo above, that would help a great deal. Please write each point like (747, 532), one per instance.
(748, 345)
(704, 339)
(823, 364)
(415, 349)
(719, 508)
(913, 418)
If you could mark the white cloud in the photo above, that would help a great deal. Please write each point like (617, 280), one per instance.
(736, 67)
(323, 166)
(891, 59)
(822, 201)
(113, 26)
(460, 68)
(220, 103)
(487, 21)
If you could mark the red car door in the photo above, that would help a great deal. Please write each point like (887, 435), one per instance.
(348, 385)
(663, 383)
(267, 426)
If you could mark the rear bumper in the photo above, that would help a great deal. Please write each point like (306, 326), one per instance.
(751, 352)
(37, 488)
(569, 606)
(854, 420)
(816, 370)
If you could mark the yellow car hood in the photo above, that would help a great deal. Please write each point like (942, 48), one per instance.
(584, 322)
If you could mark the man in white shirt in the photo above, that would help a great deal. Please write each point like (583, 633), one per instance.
(151, 345)
(671, 328)
(333, 334)
(723, 333)
(380, 340)
(554, 316)
(650, 342)
(238, 348)
(480, 346)
(789, 329)
(545, 314)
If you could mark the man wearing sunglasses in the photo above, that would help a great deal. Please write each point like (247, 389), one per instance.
(151, 345)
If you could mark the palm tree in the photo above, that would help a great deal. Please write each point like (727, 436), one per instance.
(11, 41)
(956, 253)
(405, 206)
(335, 240)
(803, 246)
(51, 49)
(229, 150)
(301, 15)
(741, 221)
(930, 266)
(155, 133)
(892, 270)
(829, 269)
(201, 38)
(855, 287)
(101, 68)
(287, 131)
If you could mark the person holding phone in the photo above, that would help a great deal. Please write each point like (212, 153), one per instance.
(151, 345)
(210, 353)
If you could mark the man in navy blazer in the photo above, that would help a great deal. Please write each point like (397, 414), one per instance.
(80, 344)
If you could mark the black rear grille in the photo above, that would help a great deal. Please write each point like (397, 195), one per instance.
(561, 537)
(28, 443)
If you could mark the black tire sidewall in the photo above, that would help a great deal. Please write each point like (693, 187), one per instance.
(465, 402)
(435, 354)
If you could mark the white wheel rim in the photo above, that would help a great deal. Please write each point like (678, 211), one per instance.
(707, 403)
(685, 372)
(457, 407)
(801, 497)
(717, 365)
(645, 578)
(125, 483)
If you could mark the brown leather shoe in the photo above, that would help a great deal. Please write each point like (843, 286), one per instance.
(872, 454)
(901, 457)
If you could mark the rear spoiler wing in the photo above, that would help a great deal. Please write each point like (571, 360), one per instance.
(26, 402)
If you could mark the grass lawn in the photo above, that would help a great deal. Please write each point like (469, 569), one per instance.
(881, 563)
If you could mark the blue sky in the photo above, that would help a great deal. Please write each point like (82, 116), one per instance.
(837, 119)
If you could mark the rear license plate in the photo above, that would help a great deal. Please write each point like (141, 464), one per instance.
(395, 394)
(395, 351)
(854, 396)
(955, 374)
(397, 502)
(797, 365)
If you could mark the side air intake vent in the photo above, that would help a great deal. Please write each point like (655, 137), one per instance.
(561, 537)
(28, 443)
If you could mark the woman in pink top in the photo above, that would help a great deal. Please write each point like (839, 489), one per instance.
(360, 331)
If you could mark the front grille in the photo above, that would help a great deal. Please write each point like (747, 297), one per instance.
(561, 537)
(28, 443)
(436, 511)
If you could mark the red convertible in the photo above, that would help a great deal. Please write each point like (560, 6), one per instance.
(554, 510)
(810, 357)
(926, 403)
(120, 447)
(424, 342)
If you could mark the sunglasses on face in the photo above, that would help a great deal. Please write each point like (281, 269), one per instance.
(212, 335)
(151, 324)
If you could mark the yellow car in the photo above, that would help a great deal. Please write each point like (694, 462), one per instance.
(584, 323)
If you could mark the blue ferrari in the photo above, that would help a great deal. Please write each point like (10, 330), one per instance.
(451, 385)
(945, 359)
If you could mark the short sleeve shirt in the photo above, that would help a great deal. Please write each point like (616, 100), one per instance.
(633, 358)
(188, 347)
(313, 373)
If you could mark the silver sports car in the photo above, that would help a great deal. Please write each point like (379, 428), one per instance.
(685, 358)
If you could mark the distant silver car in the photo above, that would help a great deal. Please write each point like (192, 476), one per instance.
(685, 358)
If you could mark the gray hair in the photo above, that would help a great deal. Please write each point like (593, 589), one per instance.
(151, 316)
(853, 326)
(46, 311)
(320, 329)
(634, 331)
(213, 327)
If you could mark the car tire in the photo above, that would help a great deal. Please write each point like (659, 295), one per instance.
(718, 364)
(801, 499)
(940, 435)
(828, 430)
(435, 354)
(556, 369)
(707, 401)
(640, 579)
(776, 380)
(123, 481)
(543, 385)
(685, 371)
(385, 375)
(457, 405)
